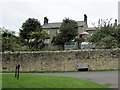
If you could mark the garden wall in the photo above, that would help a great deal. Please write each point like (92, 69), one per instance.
(60, 60)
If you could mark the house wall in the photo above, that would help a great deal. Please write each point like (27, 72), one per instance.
(82, 29)
(60, 60)
(51, 32)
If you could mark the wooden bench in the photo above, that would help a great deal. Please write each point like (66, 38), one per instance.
(83, 66)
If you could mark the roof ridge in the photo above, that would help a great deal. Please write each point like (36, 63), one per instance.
(57, 24)
(61, 22)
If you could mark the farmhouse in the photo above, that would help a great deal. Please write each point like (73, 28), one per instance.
(53, 28)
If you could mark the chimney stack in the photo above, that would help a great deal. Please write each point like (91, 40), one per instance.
(45, 20)
(115, 22)
(85, 18)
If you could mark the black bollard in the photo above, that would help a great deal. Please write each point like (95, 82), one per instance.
(18, 71)
(17, 68)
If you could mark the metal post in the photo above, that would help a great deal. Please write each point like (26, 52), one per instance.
(17, 68)
(18, 72)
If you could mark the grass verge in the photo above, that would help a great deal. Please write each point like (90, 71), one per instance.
(32, 81)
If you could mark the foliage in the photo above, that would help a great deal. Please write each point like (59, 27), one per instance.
(10, 42)
(107, 42)
(30, 25)
(106, 36)
(38, 39)
(117, 35)
(68, 31)
(32, 34)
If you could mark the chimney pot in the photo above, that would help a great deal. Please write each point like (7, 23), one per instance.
(85, 18)
(45, 20)
(115, 22)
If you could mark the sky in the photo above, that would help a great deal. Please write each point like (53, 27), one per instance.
(15, 12)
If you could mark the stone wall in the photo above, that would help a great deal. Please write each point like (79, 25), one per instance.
(60, 60)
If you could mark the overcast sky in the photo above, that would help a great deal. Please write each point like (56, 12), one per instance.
(15, 12)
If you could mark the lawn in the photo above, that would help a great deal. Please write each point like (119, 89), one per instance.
(0, 81)
(38, 81)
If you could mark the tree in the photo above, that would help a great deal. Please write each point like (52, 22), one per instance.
(9, 41)
(38, 39)
(30, 25)
(32, 34)
(117, 35)
(68, 31)
(106, 36)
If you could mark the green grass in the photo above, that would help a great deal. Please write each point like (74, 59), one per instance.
(0, 81)
(37, 81)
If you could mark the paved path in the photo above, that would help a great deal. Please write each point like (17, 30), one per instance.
(109, 78)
